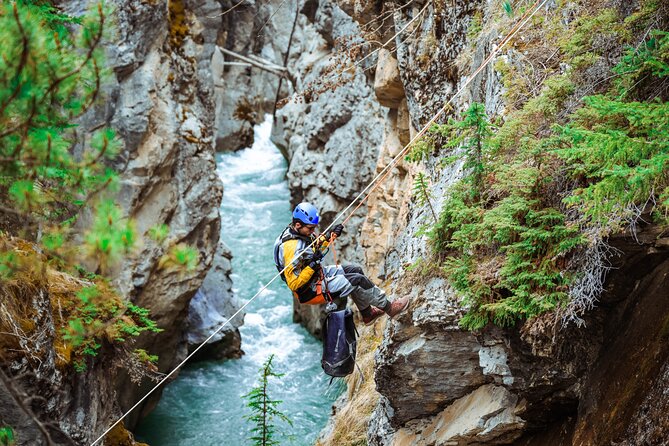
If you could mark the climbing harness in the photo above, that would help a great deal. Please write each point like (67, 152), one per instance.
(370, 187)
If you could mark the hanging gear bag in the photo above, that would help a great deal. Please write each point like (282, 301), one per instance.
(339, 343)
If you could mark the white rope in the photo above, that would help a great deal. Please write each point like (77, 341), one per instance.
(391, 164)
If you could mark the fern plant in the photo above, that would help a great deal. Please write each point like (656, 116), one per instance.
(422, 193)
(264, 408)
(7, 436)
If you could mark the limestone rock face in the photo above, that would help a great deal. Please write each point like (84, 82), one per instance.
(429, 59)
(405, 364)
(165, 113)
(387, 83)
(485, 416)
(441, 385)
(244, 93)
(380, 228)
(212, 306)
(262, 31)
(161, 103)
(332, 142)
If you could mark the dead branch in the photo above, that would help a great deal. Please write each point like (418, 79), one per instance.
(22, 400)
(262, 64)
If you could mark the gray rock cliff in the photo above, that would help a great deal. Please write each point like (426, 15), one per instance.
(160, 100)
(540, 383)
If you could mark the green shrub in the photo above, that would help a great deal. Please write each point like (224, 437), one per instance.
(507, 231)
(618, 147)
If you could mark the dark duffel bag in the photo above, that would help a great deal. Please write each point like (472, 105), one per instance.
(339, 343)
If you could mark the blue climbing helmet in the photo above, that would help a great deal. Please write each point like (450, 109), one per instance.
(306, 213)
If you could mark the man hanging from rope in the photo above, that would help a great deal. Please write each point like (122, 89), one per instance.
(310, 281)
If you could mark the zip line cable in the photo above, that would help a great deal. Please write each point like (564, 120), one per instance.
(381, 175)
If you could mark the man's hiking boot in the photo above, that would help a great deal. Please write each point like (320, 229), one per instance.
(374, 314)
(397, 306)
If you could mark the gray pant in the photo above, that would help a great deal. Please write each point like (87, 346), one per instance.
(349, 280)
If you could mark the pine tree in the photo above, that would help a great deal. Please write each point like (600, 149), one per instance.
(467, 138)
(52, 69)
(264, 408)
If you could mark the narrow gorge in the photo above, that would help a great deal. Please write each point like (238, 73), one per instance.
(527, 224)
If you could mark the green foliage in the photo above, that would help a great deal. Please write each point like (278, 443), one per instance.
(139, 322)
(143, 356)
(648, 63)
(475, 26)
(264, 408)
(100, 314)
(508, 8)
(421, 191)
(505, 258)
(617, 147)
(159, 233)
(7, 436)
(56, 184)
(9, 264)
(47, 81)
(468, 136)
(180, 256)
(424, 147)
(579, 46)
(111, 235)
(503, 234)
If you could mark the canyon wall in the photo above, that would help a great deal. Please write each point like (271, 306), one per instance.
(160, 101)
(541, 382)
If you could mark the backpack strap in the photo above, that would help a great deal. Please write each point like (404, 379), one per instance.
(287, 235)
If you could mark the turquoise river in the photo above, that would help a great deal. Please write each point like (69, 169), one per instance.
(204, 406)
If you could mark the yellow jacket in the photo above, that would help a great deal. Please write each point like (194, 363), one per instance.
(297, 273)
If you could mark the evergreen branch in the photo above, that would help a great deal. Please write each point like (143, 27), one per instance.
(22, 60)
(21, 399)
(89, 55)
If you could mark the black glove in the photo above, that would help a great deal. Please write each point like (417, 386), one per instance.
(337, 230)
(314, 259)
